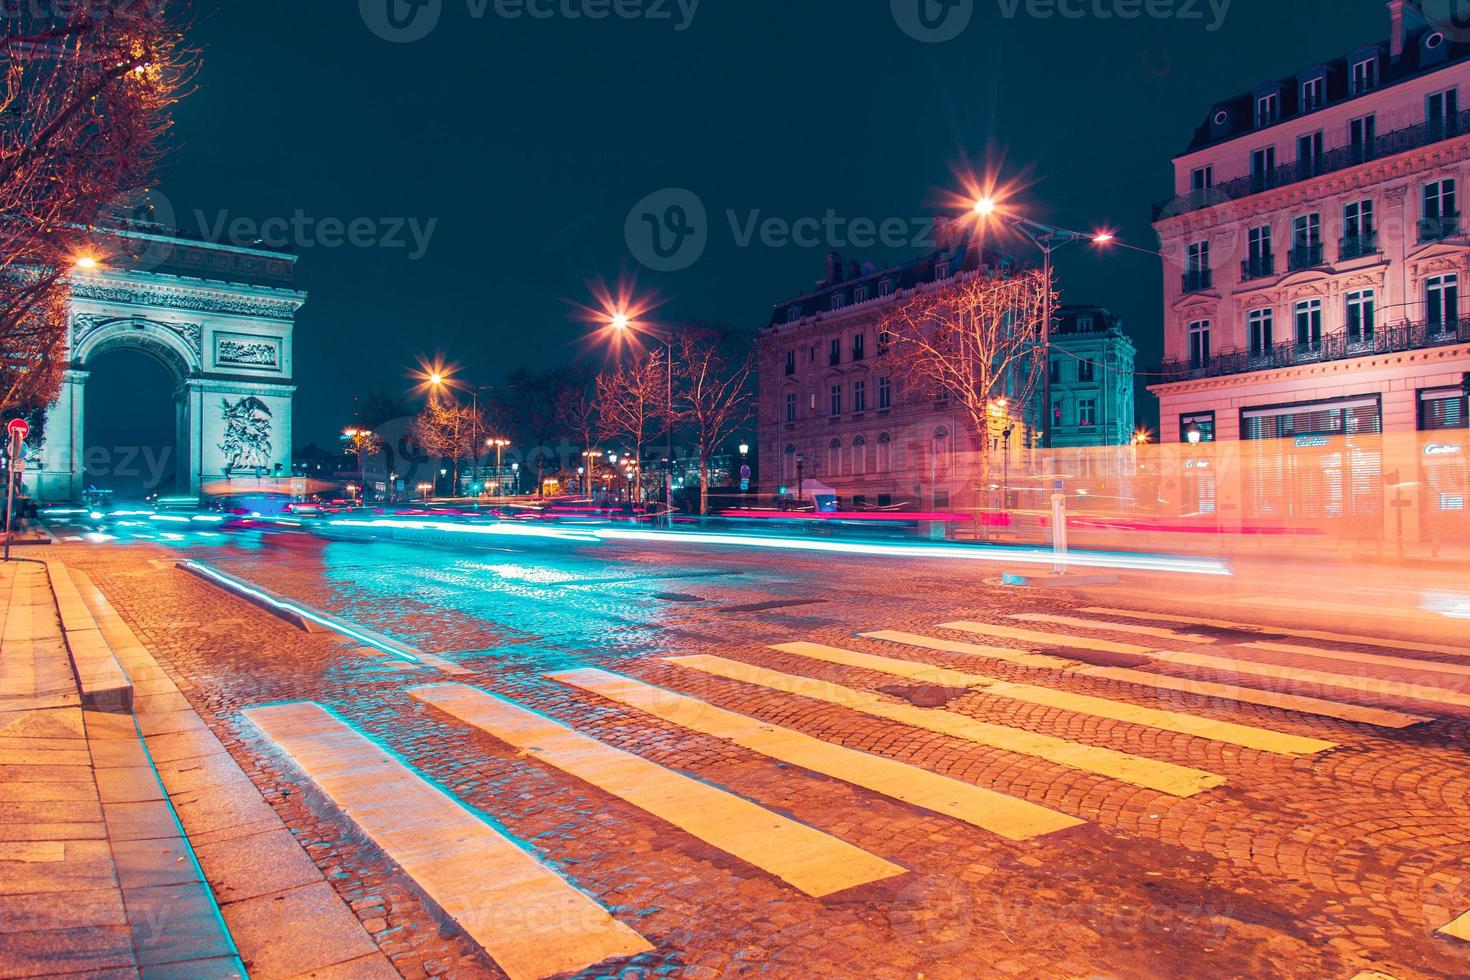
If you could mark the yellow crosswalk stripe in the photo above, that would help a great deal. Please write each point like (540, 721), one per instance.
(1428, 666)
(1226, 624)
(1459, 929)
(1112, 627)
(1019, 657)
(1362, 685)
(1048, 639)
(1169, 721)
(1359, 714)
(802, 856)
(1166, 777)
(1000, 814)
(530, 920)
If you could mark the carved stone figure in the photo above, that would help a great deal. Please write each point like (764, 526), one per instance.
(247, 444)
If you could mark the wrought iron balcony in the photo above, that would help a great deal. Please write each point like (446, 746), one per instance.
(1337, 346)
(1357, 246)
(1198, 280)
(1398, 141)
(1438, 229)
(1305, 256)
(1258, 267)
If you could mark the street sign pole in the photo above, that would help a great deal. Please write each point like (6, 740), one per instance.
(17, 448)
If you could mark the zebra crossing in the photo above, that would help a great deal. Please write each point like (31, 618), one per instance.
(452, 852)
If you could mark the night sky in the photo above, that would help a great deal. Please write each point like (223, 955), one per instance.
(527, 142)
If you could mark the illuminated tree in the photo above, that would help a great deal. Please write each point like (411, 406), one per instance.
(448, 430)
(711, 395)
(85, 104)
(578, 411)
(633, 400)
(978, 343)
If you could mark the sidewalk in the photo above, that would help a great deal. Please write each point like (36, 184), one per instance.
(131, 844)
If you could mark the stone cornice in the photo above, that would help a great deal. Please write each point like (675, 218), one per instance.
(1317, 369)
(171, 292)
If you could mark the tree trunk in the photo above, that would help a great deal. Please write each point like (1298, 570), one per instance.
(703, 485)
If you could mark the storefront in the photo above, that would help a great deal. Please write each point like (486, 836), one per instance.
(1316, 461)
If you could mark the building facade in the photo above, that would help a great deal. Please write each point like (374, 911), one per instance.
(1092, 365)
(835, 417)
(1317, 259)
(219, 318)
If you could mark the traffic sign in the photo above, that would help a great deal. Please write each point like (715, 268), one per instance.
(745, 472)
(18, 425)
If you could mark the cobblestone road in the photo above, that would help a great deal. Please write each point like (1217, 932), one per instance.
(1314, 863)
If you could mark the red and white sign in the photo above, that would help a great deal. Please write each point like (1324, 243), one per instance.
(18, 428)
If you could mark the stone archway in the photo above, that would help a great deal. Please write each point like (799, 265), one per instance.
(134, 424)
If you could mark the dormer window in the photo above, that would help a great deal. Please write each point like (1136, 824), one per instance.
(1268, 110)
(860, 294)
(1314, 94)
(793, 314)
(1365, 75)
(836, 301)
(885, 288)
(941, 271)
(1084, 324)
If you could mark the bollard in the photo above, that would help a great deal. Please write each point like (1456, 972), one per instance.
(1059, 528)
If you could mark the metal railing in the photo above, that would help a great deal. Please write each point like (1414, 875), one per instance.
(1438, 229)
(1332, 347)
(1258, 267)
(1198, 280)
(1305, 257)
(1398, 141)
(1357, 246)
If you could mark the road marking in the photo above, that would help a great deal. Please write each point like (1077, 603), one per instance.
(1007, 654)
(1094, 624)
(984, 808)
(1428, 666)
(1211, 729)
(1380, 717)
(1225, 624)
(1048, 639)
(1362, 685)
(530, 920)
(816, 863)
(1459, 929)
(1166, 777)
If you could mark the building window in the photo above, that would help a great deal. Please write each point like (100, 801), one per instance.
(1442, 110)
(1365, 76)
(1268, 110)
(1309, 324)
(884, 340)
(885, 393)
(860, 294)
(1441, 212)
(837, 301)
(793, 314)
(859, 345)
(859, 396)
(885, 288)
(834, 457)
(1259, 262)
(836, 405)
(1362, 137)
(791, 407)
(885, 453)
(1058, 418)
(788, 464)
(1055, 371)
(1360, 316)
(1306, 241)
(1442, 408)
(1084, 323)
(859, 456)
(1201, 179)
(1313, 94)
(1358, 236)
(1086, 412)
(1199, 343)
(1202, 423)
(1442, 303)
(834, 353)
(1263, 167)
(1309, 154)
(941, 271)
(791, 362)
(1262, 326)
(1086, 370)
(1197, 274)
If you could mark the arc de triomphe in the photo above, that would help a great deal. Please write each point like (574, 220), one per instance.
(220, 318)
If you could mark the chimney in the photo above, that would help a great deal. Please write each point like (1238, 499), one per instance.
(834, 268)
(1404, 16)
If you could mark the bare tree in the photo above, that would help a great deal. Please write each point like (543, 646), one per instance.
(577, 409)
(978, 342)
(711, 395)
(634, 404)
(85, 103)
(448, 430)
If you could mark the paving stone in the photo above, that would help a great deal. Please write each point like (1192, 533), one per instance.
(175, 923)
(259, 924)
(261, 864)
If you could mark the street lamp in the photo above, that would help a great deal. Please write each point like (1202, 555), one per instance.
(1194, 435)
(499, 445)
(623, 323)
(515, 472)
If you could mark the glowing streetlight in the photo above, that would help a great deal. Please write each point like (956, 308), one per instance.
(85, 263)
(985, 207)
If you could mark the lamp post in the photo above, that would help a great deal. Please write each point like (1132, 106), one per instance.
(622, 323)
(499, 445)
(515, 476)
(800, 477)
(592, 456)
